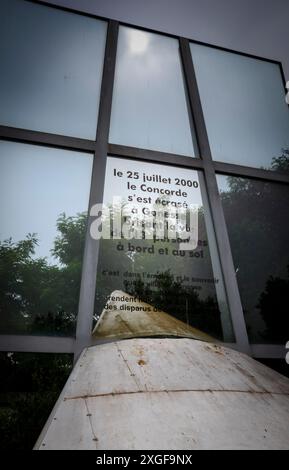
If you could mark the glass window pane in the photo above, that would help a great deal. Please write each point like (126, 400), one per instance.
(244, 106)
(43, 203)
(30, 385)
(149, 108)
(184, 283)
(257, 219)
(51, 69)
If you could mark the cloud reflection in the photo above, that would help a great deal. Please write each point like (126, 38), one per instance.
(138, 41)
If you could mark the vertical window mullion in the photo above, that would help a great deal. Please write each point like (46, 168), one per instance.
(90, 258)
(220, 228)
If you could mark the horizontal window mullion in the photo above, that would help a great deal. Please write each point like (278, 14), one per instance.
(249, 172)
(28, 343)
(43, 138)
(154, 156)
(268, 351)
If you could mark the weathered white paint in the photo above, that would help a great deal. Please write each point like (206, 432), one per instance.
(169, 393)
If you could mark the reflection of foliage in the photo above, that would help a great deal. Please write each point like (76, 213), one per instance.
(35, 295)
(181, 302)
(69, 245)
(30, 385)
(15, 258)
(274, 308)
(140, 262)
(281, 163)
(257, 220)
(199, 309)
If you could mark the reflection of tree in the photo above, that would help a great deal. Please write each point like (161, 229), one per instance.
(30, 385)
(182, 302)
(35, 295)
(274, 308)
(281, 163)
(140, 264)
(257, 220)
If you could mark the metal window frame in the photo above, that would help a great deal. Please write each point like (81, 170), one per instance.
(101, 148)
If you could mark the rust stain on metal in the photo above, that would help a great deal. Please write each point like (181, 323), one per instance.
(141, 362)
(197, 390)
(215, 348)
(251, 377)
(89, 415)
(127, 365)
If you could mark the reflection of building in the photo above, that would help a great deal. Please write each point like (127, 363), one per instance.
(103, 104)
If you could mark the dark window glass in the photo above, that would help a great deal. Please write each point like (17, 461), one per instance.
(30, 385)
(257, 220)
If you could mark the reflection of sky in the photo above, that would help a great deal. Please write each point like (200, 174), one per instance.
(51, 68)
(223, 185)
(149, 104)
(36, 185)
(244, 105)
